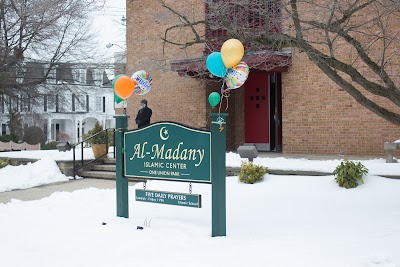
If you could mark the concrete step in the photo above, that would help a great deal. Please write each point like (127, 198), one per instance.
(111, 161)
(97, 174)
(105, 168)
(103, 175)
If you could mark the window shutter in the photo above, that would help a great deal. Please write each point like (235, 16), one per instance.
(57, 105)
(73, 102)
(45, 103)
(87, 103)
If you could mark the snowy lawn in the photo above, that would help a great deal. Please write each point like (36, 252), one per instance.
(283, 221)
(44, 171)
(375, 166)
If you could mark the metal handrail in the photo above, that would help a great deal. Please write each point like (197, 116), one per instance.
(83, 164)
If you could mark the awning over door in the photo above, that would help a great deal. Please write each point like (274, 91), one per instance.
(271, 61)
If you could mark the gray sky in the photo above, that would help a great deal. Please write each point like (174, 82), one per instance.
(107, 25)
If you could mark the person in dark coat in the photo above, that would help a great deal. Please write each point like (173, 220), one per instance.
(144, 114)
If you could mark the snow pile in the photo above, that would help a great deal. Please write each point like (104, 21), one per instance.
(375, 166)
(397, 141)
(44, 171)
(284, 221)
(54, 154)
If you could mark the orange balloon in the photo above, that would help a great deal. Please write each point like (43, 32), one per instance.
(124, 87)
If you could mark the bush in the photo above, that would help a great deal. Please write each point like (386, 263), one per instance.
(251, 173)
(98, 139)
(50, 145)
(34, 135)
(349, 174)
(3, 163)
(8, 138)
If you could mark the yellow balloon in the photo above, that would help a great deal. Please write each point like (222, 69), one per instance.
(232, 52)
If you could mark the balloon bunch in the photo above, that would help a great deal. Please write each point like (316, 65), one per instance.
(124, 86)
(227, 64)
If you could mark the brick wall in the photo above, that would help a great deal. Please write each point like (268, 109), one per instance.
(171, 97)
(320, 118)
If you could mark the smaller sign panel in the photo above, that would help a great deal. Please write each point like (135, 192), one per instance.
(169, 198)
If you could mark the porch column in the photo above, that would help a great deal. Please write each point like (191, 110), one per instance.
(48, 129)
(80, 130)
(74, 131)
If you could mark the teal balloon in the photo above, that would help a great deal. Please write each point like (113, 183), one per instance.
(215, 65)
(115, 79)
(214, 98)
(117, 99)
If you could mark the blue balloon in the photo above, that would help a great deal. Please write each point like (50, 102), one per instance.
(215, 65)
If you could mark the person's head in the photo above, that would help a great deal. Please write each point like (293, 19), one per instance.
(143, 103)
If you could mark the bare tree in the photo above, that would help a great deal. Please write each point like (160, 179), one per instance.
(42, 31)
(355, 43)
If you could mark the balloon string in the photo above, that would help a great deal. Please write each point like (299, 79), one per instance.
(222, 98)
(220, 106)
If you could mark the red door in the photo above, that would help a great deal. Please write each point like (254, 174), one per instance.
(257, 109)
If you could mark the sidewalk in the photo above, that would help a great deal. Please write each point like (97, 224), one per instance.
(46, 190)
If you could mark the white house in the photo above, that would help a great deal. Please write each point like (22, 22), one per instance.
(73, 98)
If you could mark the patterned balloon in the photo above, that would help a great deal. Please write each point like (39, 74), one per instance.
(144, 82)
(237, 75)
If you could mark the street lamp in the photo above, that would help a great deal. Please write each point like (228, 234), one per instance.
(109, 45)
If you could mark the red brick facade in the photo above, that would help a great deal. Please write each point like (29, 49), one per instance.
(320, 118)
(317, 116)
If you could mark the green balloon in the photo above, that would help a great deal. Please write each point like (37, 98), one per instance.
(115, 79)
(214, 99)
(117, 99)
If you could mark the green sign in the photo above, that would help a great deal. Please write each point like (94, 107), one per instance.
(168, 151)
(169, 198)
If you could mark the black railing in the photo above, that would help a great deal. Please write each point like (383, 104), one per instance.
(82, 160)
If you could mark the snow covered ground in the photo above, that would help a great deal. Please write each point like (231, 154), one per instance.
(283, 221)
(375, 166)
(44, 171)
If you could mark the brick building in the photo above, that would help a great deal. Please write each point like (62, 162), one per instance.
(315, 115)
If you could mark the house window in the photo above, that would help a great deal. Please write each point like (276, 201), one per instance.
(3, 129)
(51, 77)
(79, 103)
(79, 75)
(97, 77)
(14, 103)
(25, 103)
(98, 103)
(104, 104)
(51, 103)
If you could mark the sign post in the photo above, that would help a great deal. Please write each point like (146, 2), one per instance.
(122, 181)
(171, 151)
(218, 187)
